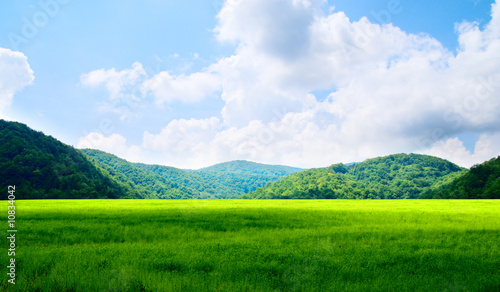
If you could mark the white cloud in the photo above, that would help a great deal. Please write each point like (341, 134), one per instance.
(15, 74)
(390, 91)
(487, 147)
(117, 83)
(135, 84)
(184, 143)
(190, 88)
(278, 28)
(393, 91)
(114, 143)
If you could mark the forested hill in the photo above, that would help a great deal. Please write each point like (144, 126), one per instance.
(481, 182)
(398, 176)
(147, 184)
(42, 167)
(164, 182)
(226, 180)
(247, 167)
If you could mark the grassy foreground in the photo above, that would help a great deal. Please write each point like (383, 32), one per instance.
(251, 245)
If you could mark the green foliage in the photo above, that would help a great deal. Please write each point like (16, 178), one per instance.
(400, 176)
(403, 176)
(481, 182)
(247, 167)
(315, 184)
(221, 181)
(147, 184)
(41, 168)
(256, 245)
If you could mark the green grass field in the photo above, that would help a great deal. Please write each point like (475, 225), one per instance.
(251, 245)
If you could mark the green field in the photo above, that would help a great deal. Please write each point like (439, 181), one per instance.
(252, 245)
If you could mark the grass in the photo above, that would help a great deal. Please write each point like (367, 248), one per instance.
(252, 245)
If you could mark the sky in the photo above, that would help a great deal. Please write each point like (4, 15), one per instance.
(305, 83)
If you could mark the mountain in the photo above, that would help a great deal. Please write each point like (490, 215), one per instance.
(244, 176)
(147, 184)
(202, 187)
(41, 167)
(480, 182)
(224, 181)
(247, 167)
(398, 176)
(404, 175)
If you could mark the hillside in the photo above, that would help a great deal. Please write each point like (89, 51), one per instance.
(244, 176)
(323, 183)
(399, 176)
(146, 183)
(481, 182)
(42, 167)
(403, 175)
(248, 167)
(201, 187)
(230, 180)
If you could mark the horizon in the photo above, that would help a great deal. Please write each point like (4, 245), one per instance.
(310, 84)
(254, 162)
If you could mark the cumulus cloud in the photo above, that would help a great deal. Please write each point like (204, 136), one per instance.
(132, 86)
(190, 88)
(183, 142)
(15, 74)
(389, 91)
(113, 143)
(279, 28)
(117, 83)
(487, 147)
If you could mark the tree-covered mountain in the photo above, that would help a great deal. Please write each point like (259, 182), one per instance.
(482, 181)
(399, 176)
(248, 167)
(224, 181)
(42, 167)
(244, 176)
(147, 184)
(403, 175)
(203, 188)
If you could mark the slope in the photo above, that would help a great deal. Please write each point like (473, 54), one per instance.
(41, 167)
(148, 184)
(202, 187)
(319, 183)
(403, 175)
(226, 180)
(480, 182)
(399, 176)
(248, 167)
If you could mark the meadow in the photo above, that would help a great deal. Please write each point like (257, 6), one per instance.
(253, 245)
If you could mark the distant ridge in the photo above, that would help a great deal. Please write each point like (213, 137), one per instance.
(398, 176)
(41, 167)
(248, 167)
(221, 181)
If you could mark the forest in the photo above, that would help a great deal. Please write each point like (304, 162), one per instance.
(42, 167)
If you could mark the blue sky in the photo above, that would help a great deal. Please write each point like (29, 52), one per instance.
(248, 82)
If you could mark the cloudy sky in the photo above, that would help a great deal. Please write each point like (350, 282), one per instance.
(304, 83)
